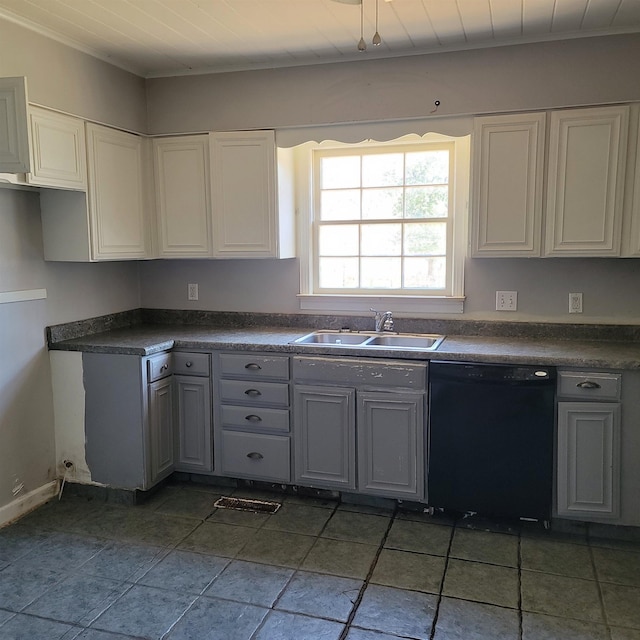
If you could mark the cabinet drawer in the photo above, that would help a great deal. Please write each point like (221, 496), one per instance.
(159, 366)
(249, 392)
(255, 418)
(256, 367)
(191, 364)
(587, 385)
(256, 456)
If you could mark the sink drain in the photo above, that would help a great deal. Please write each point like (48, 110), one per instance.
(245, 504)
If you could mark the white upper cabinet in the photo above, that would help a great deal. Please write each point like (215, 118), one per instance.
(631, 247)
(508, 161)
(117, 195)
(587, 157)
(14, 127)
(252, 213)
(183, 197)
(58, 152)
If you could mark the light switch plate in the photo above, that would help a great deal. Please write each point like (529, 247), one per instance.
(506, 300)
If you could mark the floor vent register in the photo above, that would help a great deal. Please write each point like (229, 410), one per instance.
(244, 504)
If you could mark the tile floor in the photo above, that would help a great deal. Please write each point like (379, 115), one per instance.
(179, 569)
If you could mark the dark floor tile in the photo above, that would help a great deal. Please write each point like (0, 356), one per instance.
(77, 599)
(340, 558)
(536, 626)
(239, 518)
(17, 540)
(438, 517)
(5, 615)
(482, 546)
(464, 620)
(618, 633)
(561, 596)
(280, 548)
(184, 572)
(160, 529)
(408, 570)
(211, 619)
(367, 509)
(122, 561)
(550, 556)
(622, 605)
(250, 582)
(95, 634)
(367, 634)
(59, 515)
(289, 626)
(20, 585)
(218, 539)
(145, 612)
(320, 595)
(297, 518)
(620, 567)
(421, 537)
(356, 527)
(396, 611)
(311, 501)
(188, 504)
(25, 627)
(63, 552)
(481, 582)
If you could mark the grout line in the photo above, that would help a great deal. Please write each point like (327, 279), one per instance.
(441, 589)
(603, 611)
(365, 584)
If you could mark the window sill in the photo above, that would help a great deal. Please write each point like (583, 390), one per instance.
(401, 304)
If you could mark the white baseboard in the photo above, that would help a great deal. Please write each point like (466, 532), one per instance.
(22, 505)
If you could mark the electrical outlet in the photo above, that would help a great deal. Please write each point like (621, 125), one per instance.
(575, 303)
(192, 292)
(506, 300)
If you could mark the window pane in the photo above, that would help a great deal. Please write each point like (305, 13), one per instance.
(338, 240)
(381, 240)
(427, 167)
(382, 203)
(425, 273)
(426, 202)
(428, 238)
(338, 273)
(340, 205)
(382, 170)
(340, 172)
(381, 273)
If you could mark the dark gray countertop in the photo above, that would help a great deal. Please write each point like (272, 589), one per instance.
(149, 339)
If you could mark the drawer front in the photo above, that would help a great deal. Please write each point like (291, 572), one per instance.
(254, 392)
(589, 385)
(256, 367)
(159, 366)
(255, 418)
(256, 456)
(191, 364)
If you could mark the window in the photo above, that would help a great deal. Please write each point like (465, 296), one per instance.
(381, 220)
(383, 223)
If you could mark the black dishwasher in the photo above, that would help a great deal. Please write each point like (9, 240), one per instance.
(490, 444)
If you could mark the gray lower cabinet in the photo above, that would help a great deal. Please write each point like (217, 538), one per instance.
(192, 413)
(359, 425)
(325, 436)
(390, 442)
(161, 452)
(251, 426)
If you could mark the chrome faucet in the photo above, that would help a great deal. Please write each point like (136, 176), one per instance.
(384, 321)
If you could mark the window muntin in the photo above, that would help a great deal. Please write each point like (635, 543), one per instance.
(382, 220)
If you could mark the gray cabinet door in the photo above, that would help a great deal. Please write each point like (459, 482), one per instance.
(324, 433)
(390, 444)
(194, 450)
(160, 429)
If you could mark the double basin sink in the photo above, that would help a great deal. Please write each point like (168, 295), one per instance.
(372, 340)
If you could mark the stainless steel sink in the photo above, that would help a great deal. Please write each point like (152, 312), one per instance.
(366, 340)
(332, 337)
(406, 341)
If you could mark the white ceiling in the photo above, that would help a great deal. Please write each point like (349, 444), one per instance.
(172, 37)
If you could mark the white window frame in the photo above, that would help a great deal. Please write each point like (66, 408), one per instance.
(416, 305)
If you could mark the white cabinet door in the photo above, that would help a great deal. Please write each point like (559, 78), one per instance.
(244, 195)
(117, 198)
(58, 150)
(14, 127)
(587, 157)
(588, 459)
(183, 198)
(508, 164)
